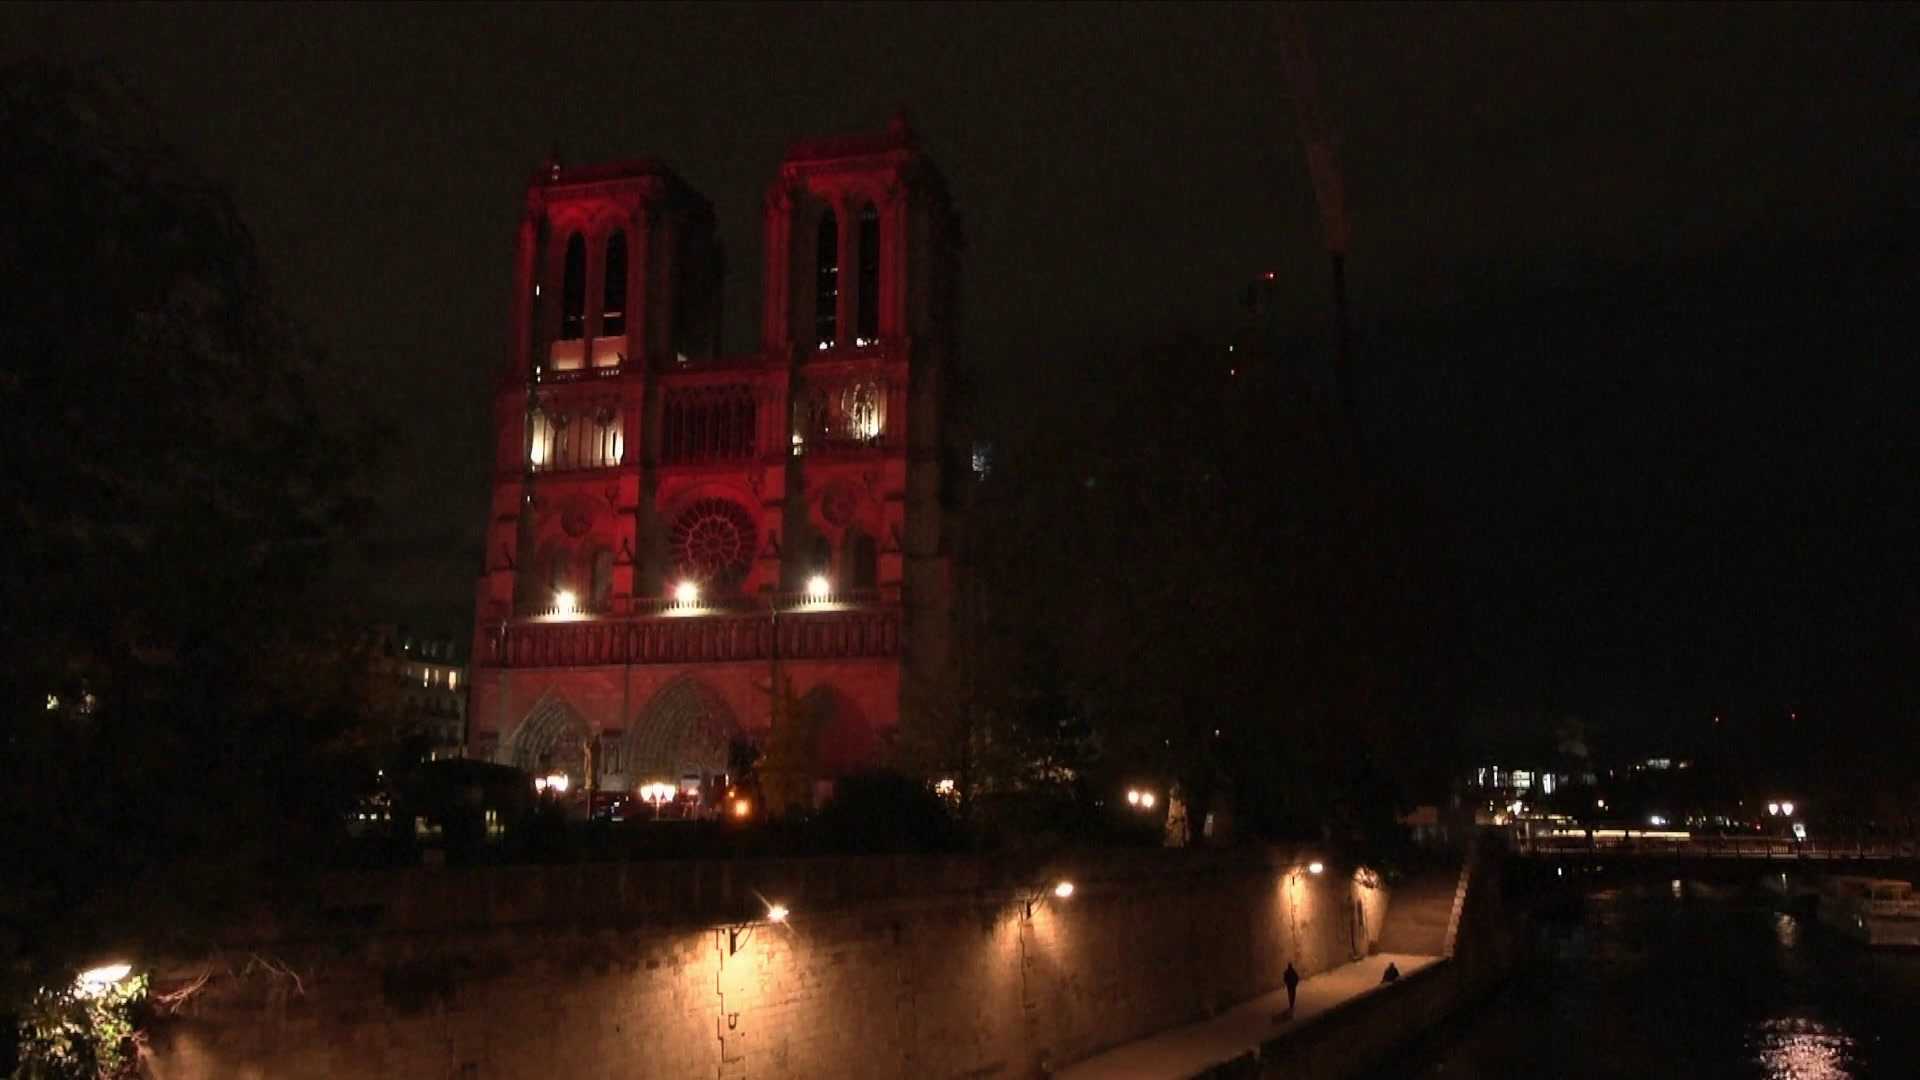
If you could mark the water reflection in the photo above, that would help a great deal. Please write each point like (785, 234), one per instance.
(1800, 1049)
(1715, 984)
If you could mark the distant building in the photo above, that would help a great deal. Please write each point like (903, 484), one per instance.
(422, 688)
(674, 530)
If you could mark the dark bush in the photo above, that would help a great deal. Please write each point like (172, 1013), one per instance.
(885, 812)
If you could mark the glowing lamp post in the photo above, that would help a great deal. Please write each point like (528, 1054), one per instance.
(565, 603)
(656, 795)
(819, 588)
(686, 594)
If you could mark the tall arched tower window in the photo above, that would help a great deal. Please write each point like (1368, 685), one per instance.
(573, 290)
(613, 301)
(826, 282)
(867, 321)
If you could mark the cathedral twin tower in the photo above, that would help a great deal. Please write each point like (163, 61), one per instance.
(673, 530)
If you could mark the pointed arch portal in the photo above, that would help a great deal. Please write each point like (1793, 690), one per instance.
(685, 730)
(553, 736)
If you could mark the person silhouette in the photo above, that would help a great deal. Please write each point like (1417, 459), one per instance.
(1292, 979)
(1392, 974)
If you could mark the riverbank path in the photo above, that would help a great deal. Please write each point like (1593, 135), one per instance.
(1184, 1052)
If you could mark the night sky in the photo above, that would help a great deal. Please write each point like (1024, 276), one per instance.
(1632, 282)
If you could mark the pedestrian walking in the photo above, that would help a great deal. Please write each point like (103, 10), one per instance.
(1292, 979)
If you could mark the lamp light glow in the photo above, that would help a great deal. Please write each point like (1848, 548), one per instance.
(818, 587)
(1786, 808)
(1146, 800)
(1063, 890)
(741, 808)
(1133, 797)
(686, 592)
(777, 913)
(565, 602)
(105, 975)
(1314, 867)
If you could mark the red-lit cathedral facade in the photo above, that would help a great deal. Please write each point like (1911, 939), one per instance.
(672, 529)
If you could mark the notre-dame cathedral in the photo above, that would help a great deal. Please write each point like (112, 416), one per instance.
(676, 532)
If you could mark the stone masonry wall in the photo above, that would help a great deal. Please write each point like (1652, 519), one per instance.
(921, 967)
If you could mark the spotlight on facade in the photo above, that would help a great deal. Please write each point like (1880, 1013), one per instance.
(1146, 800)
(777, 913)
(556, 783)
(742, 808)
(565, 603)
(1773, 809)
(1314, 867)
(1133, 797)
(818, 587)
(686, 593)
(1063, 890)
(1786, 808)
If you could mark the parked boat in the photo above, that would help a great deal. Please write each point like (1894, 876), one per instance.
(1872, 911)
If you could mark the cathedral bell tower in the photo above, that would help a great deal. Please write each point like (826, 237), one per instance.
(616, 277)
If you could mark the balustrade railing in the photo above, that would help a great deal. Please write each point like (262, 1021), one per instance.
(823, 632)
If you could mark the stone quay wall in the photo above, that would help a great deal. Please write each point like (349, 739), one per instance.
(926, 966)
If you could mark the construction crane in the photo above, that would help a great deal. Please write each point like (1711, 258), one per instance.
(1329, 192)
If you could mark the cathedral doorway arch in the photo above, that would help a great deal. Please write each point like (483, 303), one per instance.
(686, 729)
(553, 738)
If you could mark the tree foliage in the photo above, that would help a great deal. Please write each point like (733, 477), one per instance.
(174, 497)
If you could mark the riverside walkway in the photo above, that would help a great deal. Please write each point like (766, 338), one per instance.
(1185, 1052)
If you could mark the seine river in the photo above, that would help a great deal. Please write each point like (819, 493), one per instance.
(1676, 980)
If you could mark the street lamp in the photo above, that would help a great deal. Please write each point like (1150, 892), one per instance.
(818, 587)
(1315, 867)
(565, 603)
(686, 594)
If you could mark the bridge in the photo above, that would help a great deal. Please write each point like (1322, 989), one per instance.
(1616, 844)
(1725, 859)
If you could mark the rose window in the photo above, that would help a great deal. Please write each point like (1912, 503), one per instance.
(713, 541)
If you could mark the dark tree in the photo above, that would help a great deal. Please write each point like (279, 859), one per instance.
(173, 497)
